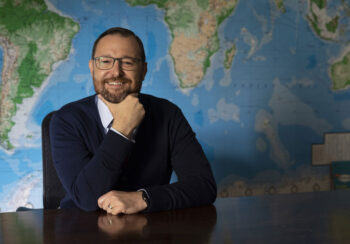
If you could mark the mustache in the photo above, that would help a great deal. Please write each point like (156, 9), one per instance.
(116, 79)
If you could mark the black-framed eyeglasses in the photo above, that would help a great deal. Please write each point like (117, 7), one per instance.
(126, 63)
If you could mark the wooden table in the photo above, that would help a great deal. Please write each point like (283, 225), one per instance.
(322, 217)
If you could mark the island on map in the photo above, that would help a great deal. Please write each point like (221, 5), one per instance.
(326, 25)
(31, 45)
(229, 56)
(340, 72)
(280, 5)
(194, 28)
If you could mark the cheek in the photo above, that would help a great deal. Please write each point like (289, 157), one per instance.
(97, 80)
(97, 86)
(136, 83)
(99, 75)
(138, 79)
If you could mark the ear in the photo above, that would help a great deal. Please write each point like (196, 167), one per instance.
(91, 67)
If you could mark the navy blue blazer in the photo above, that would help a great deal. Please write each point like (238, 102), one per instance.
(91, 163)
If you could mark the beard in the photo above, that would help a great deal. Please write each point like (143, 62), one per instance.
(120, 94)
(114, 97)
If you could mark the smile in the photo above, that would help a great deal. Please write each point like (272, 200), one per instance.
(113, 83)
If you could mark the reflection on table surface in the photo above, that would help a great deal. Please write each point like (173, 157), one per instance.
(193, 225)
(321, 217)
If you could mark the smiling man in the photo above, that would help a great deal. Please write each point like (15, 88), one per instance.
(117, 149)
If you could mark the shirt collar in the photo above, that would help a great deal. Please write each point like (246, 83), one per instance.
(105, 114)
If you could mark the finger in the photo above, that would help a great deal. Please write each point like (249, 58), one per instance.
(100, 201)
(110, 209)
(106, 204)
(115, 211)
(115, 207)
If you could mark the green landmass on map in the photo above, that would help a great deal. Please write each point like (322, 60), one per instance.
(229, 56)
(194, 27)
(332, 25)
(340, 73)
(33, 39)
(320, 3)
(280, 5)
(327, 28)
(324, 26)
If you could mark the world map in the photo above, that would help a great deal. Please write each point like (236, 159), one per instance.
(259, 82)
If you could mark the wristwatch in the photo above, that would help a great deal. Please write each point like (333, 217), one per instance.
(145, 198)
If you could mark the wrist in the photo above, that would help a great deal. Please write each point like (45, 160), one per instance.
(145, 199)
(124, 131)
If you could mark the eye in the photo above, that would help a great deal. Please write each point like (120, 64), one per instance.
(106, 61)
(128, 61)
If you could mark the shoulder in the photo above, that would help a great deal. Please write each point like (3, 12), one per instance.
(81, 104)
(78, 110)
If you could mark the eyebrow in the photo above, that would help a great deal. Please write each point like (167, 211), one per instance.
(109, 56)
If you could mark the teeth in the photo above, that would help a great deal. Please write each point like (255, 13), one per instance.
(114, 83)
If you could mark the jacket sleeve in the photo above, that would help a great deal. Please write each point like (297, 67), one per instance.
(86, 168)
(196, 185)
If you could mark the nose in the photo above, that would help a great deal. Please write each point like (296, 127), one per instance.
(116, 69)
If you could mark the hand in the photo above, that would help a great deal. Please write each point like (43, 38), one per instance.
(127, 114)
(116, 202)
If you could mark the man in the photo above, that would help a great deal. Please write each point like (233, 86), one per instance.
(116, 150)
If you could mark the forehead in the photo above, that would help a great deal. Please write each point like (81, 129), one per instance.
(117, 46)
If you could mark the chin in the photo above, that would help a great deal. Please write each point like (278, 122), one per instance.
(114, 98)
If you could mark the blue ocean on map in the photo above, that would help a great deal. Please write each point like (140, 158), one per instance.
(285, 70)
